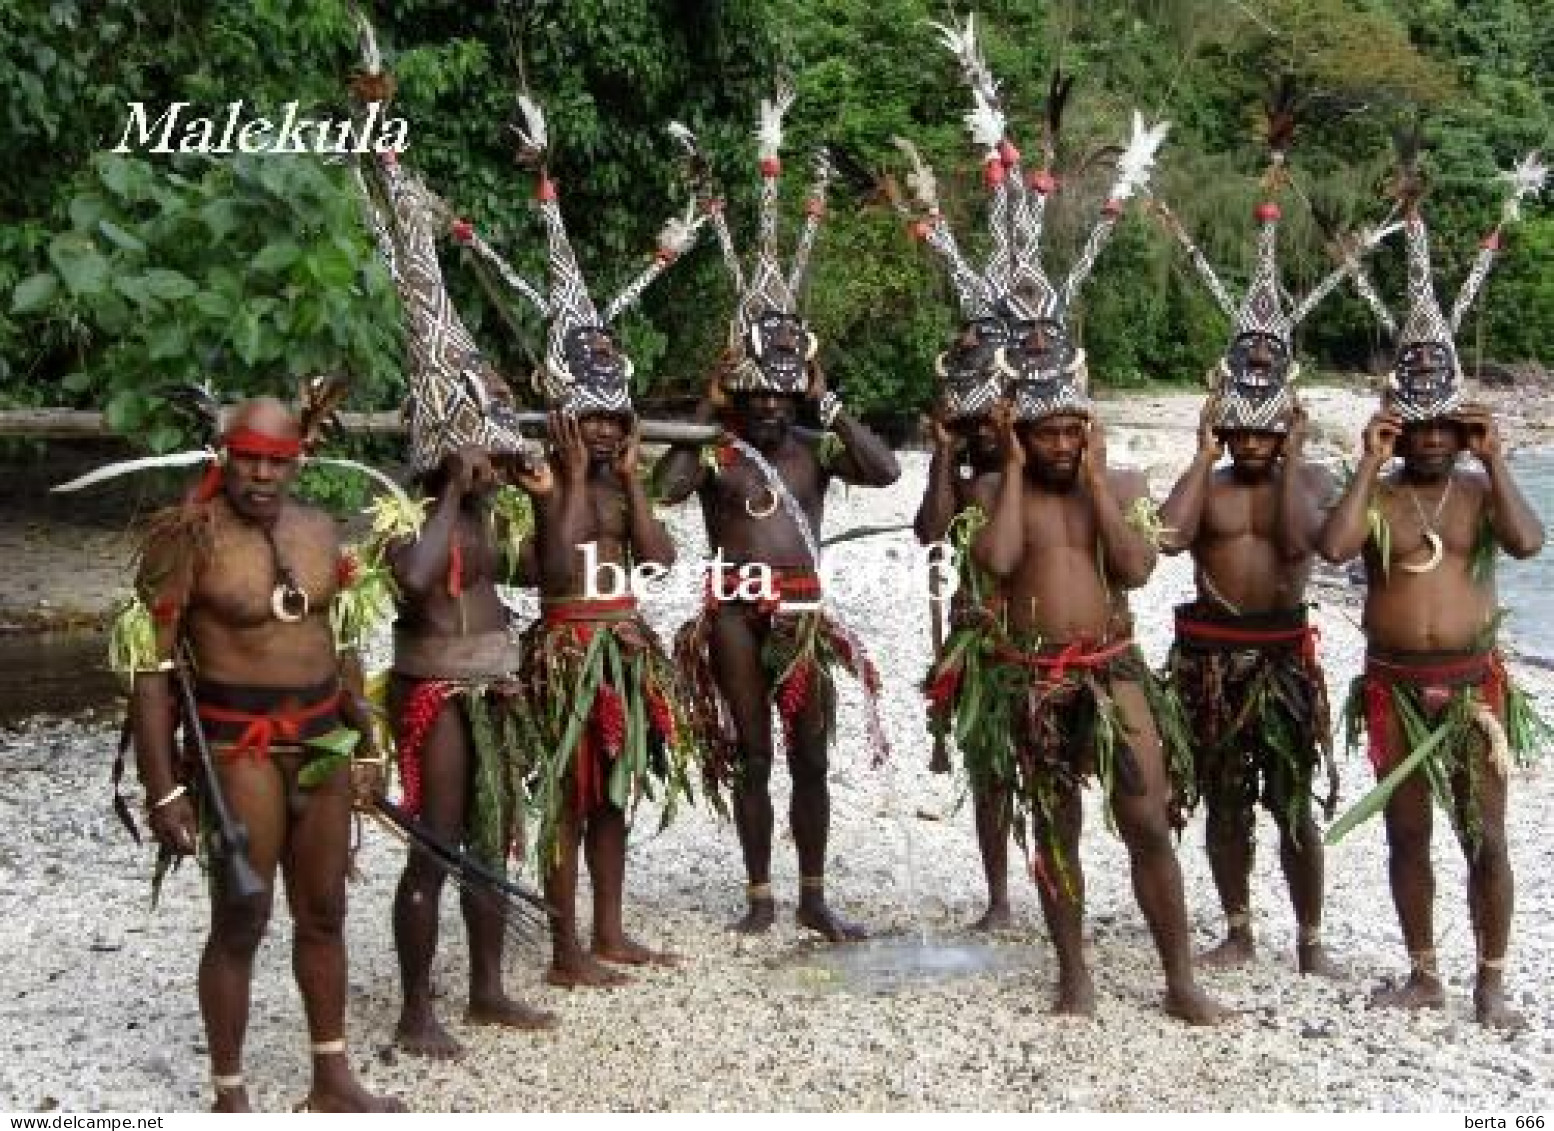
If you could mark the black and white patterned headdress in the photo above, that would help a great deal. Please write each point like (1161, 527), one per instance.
(584, 370)
(455, 397)
(970, 381)
(1426, 378)
(769, 343)
(1051, 380)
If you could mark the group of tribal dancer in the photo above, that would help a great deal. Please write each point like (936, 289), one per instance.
(1040, 682)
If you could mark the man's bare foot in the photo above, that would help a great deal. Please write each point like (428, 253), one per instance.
(423, 1036)
(758, 919)
(818, 917)
(1421, 991)
(997, 917)
(231, 1100)
(347, 1097)
(1237, 950)
(1492, 1010)
(627, 951)
(1076, 995)
(1190, 1004)
(583, 970)
(504, 1011)
(1313, 958)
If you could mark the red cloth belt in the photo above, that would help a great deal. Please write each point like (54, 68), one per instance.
(1306, 635)
(283, 724)
(566, 612)
(1055, 665)
(1435, 680)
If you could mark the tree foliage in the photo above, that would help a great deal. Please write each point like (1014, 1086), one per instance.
(121, 275)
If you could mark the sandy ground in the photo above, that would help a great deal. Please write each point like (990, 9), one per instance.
(98, 1009)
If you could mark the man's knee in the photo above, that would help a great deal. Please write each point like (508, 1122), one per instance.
(423, 878)
(238, 928)
(1491, 850)
(1145, 829)
(320, 916)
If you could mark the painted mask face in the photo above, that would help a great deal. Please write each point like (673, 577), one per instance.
(1423, 373)
(1039, 347)
(596, 361)
(1258, 365)
(968, 368)
(781, 346)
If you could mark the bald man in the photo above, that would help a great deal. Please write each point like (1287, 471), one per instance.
(238, 580)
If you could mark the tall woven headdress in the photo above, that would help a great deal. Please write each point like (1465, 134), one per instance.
(584, 370)
(1426, 378)
(1046, 371)
(769, 342)
(454, 397)
(1252, 385)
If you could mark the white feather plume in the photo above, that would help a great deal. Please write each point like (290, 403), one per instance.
(367, 39)
(1138, 159)
(130, 466)
(985, 122)
(921, 180)
(533, 134)
(962, 43)
(772, 111)
(1526, 178)
(682, 134)
(679, 232)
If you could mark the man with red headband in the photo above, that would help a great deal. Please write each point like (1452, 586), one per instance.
(238, 582)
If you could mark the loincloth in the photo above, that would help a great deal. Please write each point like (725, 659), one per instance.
(972, 696)
(603, 714)
(1255, 698)
(800, 652)
(1458, 717)
(493, 827)
(1071, 730)
(242, 722)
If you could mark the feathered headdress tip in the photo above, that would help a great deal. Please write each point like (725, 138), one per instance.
(1058, 91)
(1526, 178)
(769, 133)
(1408, 183)
(318, 403)
(533, 137)
(1138, 158)
(922, 182)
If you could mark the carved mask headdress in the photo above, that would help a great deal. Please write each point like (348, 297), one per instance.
(970, 381)
(585, 370)
(769, 343)
(1426, 378)
(1045, 370)
(1252, 385)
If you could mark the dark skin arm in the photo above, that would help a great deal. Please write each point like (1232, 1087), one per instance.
(999, 545)
(564, 513)
(679, 473)
(1344, 534)
(1302, 490)
(1516, 525)
(421, 565)
(866, 460)
(649, 540)
(1182, 512)
(165, 582)
(938, 507)
(1129, 556)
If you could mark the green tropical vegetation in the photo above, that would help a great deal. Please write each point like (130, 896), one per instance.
(124, 274)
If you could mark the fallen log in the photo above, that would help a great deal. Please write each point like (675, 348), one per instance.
(85, 424)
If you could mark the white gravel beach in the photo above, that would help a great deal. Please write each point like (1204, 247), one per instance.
(98, 1009)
